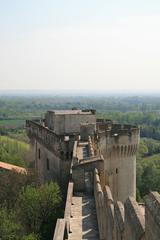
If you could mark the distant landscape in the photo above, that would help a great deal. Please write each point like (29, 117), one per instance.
(141, 110)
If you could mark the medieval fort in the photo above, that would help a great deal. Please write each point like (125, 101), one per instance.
(96, 159)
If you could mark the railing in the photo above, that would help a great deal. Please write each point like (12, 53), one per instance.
(62, 229)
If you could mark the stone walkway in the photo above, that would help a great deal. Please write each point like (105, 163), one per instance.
(84, 219)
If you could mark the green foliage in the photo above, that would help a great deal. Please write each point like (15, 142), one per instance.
(19, 135)
(9, 229)
(152, 145)
(31, 236)
(12, 123)
(148, 174)
(28, 211)
(143, 149)
(39, 208)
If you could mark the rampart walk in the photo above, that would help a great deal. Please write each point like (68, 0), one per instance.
(80, 220)
(116, 221)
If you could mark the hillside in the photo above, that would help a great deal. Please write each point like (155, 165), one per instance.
(13, 151)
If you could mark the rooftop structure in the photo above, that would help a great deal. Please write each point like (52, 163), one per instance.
(68, 121)
(73, 112)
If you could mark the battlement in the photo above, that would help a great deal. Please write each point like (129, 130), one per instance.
(128, 221)
(116, 130)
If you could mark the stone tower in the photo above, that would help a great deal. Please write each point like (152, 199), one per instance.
(118, 144)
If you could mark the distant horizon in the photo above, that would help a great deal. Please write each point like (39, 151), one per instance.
(78, 92)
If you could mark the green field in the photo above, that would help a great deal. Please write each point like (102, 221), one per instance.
(12, 123)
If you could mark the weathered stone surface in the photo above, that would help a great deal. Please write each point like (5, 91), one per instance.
(119, 216)
(134, 220)
(153, 216)
(59, 232)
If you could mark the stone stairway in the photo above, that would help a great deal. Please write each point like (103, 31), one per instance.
(83, 224)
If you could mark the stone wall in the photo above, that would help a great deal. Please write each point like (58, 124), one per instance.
(45, 136)
(62, 229)
(118, 221)
(86, 166)
(51, 153)
(47, 163)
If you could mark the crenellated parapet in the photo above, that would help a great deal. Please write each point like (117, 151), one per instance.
(128, 221)
(117, 134)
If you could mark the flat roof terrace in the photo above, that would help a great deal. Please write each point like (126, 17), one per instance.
(72, 112)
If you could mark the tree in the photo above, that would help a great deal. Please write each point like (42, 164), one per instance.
(31, 236)
(11, 184)
(9, 229)
(39, 209)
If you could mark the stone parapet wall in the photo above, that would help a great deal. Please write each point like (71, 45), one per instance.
(62, 229)
(45, 136)
(119, 129)
(118, 221)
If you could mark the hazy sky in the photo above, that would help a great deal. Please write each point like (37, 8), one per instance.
(80, 44)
